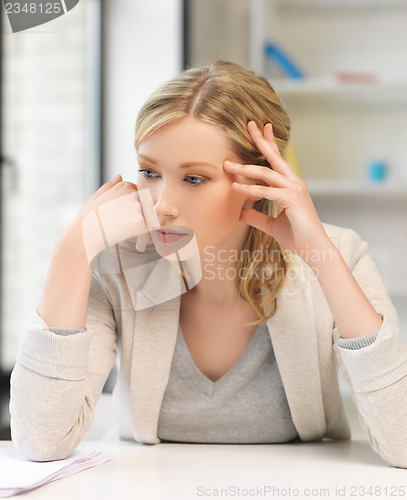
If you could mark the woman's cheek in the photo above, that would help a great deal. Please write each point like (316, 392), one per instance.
(233, 208)
(238, 200)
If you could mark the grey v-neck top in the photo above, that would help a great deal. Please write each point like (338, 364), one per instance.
(247, 405)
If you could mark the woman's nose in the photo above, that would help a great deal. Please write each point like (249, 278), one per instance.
(166, 204)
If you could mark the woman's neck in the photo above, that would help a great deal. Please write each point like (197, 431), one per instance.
(217, 285)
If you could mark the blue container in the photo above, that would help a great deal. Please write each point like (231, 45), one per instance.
(377, 171)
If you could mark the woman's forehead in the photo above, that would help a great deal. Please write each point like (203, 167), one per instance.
(187, 138)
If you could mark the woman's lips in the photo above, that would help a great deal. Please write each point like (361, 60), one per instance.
(167, 237)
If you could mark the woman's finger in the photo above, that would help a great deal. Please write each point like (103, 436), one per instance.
(268, 134)
(265, 174)
(108, 185)
(279, 195)
(142, 241)
(257, 219)
(269, 148)
(150, 217)
(149, 213)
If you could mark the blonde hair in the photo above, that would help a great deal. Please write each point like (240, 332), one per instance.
(228, 96)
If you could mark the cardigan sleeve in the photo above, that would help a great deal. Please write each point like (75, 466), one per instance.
(356, 343)
(377, 371)
(57, 380)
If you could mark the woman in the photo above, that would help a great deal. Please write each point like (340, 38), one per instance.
(248, 354)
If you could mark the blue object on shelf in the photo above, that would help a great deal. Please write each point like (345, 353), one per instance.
(276, 54)
(377, 171)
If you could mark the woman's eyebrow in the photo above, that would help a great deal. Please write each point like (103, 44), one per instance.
(145, 157)
(183, 165)
(197, 164)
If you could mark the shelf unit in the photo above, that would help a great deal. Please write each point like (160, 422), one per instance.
(386, 190)
(339, 128)
(328, 87)
(339, 4)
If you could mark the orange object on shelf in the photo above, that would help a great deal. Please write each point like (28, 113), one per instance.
(362, 78)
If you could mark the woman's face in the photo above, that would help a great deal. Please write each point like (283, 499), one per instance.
(182, 165)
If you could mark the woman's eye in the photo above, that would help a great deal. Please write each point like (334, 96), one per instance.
(194, 180)
(146, 173)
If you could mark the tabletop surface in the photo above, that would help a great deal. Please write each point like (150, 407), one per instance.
(347, 469)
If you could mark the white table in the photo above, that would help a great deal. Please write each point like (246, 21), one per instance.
(190, 471)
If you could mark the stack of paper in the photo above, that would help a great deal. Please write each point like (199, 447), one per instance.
(19, 474)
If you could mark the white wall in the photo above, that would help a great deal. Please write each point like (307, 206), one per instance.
(143, 42)
(45, 126)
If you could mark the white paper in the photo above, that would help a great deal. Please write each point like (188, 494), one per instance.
(18, 474)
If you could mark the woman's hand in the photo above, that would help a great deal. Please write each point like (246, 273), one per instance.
(112, 214)
(297, 228)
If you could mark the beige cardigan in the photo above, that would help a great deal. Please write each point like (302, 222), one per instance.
(57, 379)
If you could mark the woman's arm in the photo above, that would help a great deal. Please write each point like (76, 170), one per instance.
(57, 378)
(299, 229)
(65, 298)
(376, 373)
(354, 315)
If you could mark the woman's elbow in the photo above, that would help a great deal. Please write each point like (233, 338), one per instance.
(40, 450)
(38, 445)
(399, 459)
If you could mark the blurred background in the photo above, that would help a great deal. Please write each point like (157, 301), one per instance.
(71, 90)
